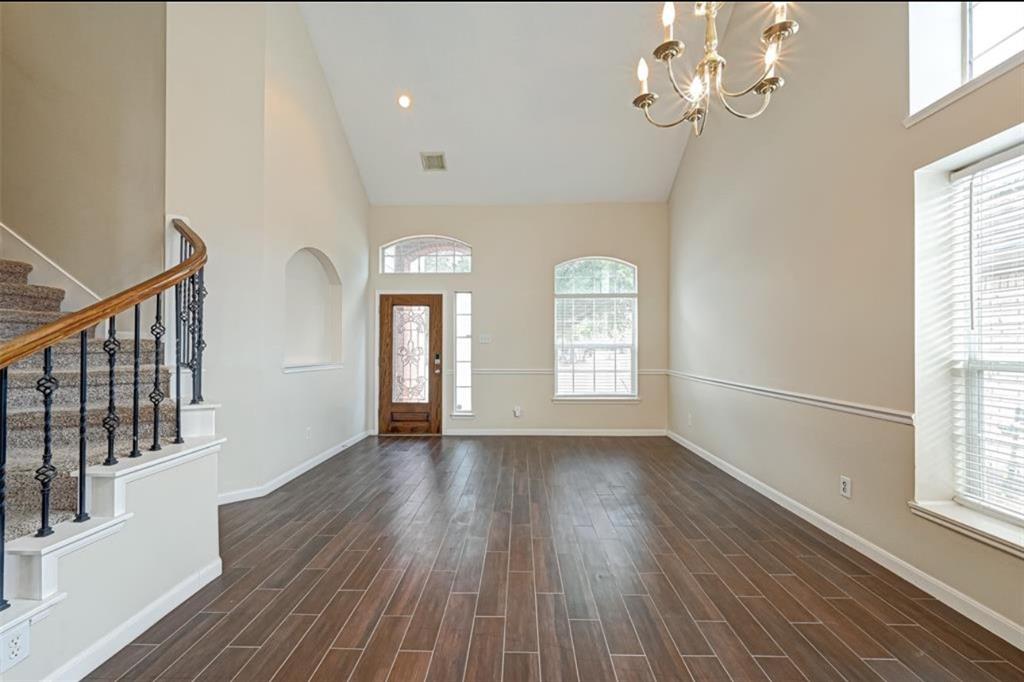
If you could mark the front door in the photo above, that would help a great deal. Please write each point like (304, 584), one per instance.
(410, 364)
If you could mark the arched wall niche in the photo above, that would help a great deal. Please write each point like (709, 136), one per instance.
(312, 311)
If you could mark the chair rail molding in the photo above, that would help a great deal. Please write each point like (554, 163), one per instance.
(871, 411)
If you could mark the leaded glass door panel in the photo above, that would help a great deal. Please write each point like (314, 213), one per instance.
(410, 363)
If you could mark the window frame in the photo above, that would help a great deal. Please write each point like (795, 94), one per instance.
(939, 56)
(635, 342)
(413, 237)
(967, 44)
(969, 371)
(456, 412)
(935, 487)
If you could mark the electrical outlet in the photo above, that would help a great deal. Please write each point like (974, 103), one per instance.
(14, 647)
(309, 432)
(845, 486)
(517, 411)
(689, 419)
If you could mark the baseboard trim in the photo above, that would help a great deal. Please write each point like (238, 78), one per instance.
(555, 432)
(294, 472)
(112, 642)
(982, 615)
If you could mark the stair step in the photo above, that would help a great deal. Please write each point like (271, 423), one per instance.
(65, 354)
(14, 271)
(22, 391)
(30, 297)
(23, 489)
(25, 426)
(15, 322)
(22, 522)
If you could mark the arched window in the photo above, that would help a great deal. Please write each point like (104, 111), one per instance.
(426, 254)
(313, 310)
(595, 328)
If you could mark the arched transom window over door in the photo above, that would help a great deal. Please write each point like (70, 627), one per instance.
(426, 254)
(595, 328)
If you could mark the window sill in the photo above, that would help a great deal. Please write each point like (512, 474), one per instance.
(964, 90)
(598, 399)
(994, 532)
(462, 415)
(320, 367)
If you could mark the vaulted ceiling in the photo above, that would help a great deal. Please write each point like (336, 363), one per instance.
(531, 102)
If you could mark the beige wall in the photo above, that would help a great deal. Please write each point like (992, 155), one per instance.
(258, 161)
(515, 250)
(792, 267)
(82, 123)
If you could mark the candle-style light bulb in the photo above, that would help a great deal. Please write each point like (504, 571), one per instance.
(780, 11)
(641, 74)
(696, 88)
(668, 18)
(771, 56)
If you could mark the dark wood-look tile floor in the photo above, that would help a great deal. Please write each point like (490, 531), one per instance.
(545, 559)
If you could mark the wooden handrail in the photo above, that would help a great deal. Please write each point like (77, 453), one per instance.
(39, 339)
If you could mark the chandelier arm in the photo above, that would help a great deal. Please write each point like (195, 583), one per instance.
(747, 91)
(698, 125)
(734, 112)
(740, 114)
(675, 85)
(673, 124)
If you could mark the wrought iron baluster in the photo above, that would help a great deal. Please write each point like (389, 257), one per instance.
(189, 314)
(193, 335)
(46, 385)
(3, 479)
(83, 396)
(136, 361)
(197, 393)
(111, 420)
(178, 331)
(156, 396)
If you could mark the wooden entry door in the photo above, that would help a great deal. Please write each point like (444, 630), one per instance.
(410, 364)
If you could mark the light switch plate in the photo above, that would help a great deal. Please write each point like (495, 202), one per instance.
(485, 338)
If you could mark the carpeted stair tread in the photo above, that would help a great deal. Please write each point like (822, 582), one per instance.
(66, 354)
(25, 427)
(22, 522)
(14, 271)
(14, 322)
(22, 393)
(23, 489)
(30, 297)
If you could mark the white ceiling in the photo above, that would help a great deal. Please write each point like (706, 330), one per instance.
(531, 102)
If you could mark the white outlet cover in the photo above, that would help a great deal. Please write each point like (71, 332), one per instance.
(485, 338)
(14, 647)
(845, 486)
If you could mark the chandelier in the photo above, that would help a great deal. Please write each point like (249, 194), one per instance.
(707, 79)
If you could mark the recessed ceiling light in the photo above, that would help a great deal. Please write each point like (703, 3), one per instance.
(404, 101)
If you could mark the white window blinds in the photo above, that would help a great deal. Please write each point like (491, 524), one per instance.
(988, 335)
(595, 328)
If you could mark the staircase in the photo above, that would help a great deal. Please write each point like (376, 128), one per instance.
(24, 307)
(108, 461)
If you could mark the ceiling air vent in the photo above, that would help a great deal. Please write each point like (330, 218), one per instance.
(433, 161)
